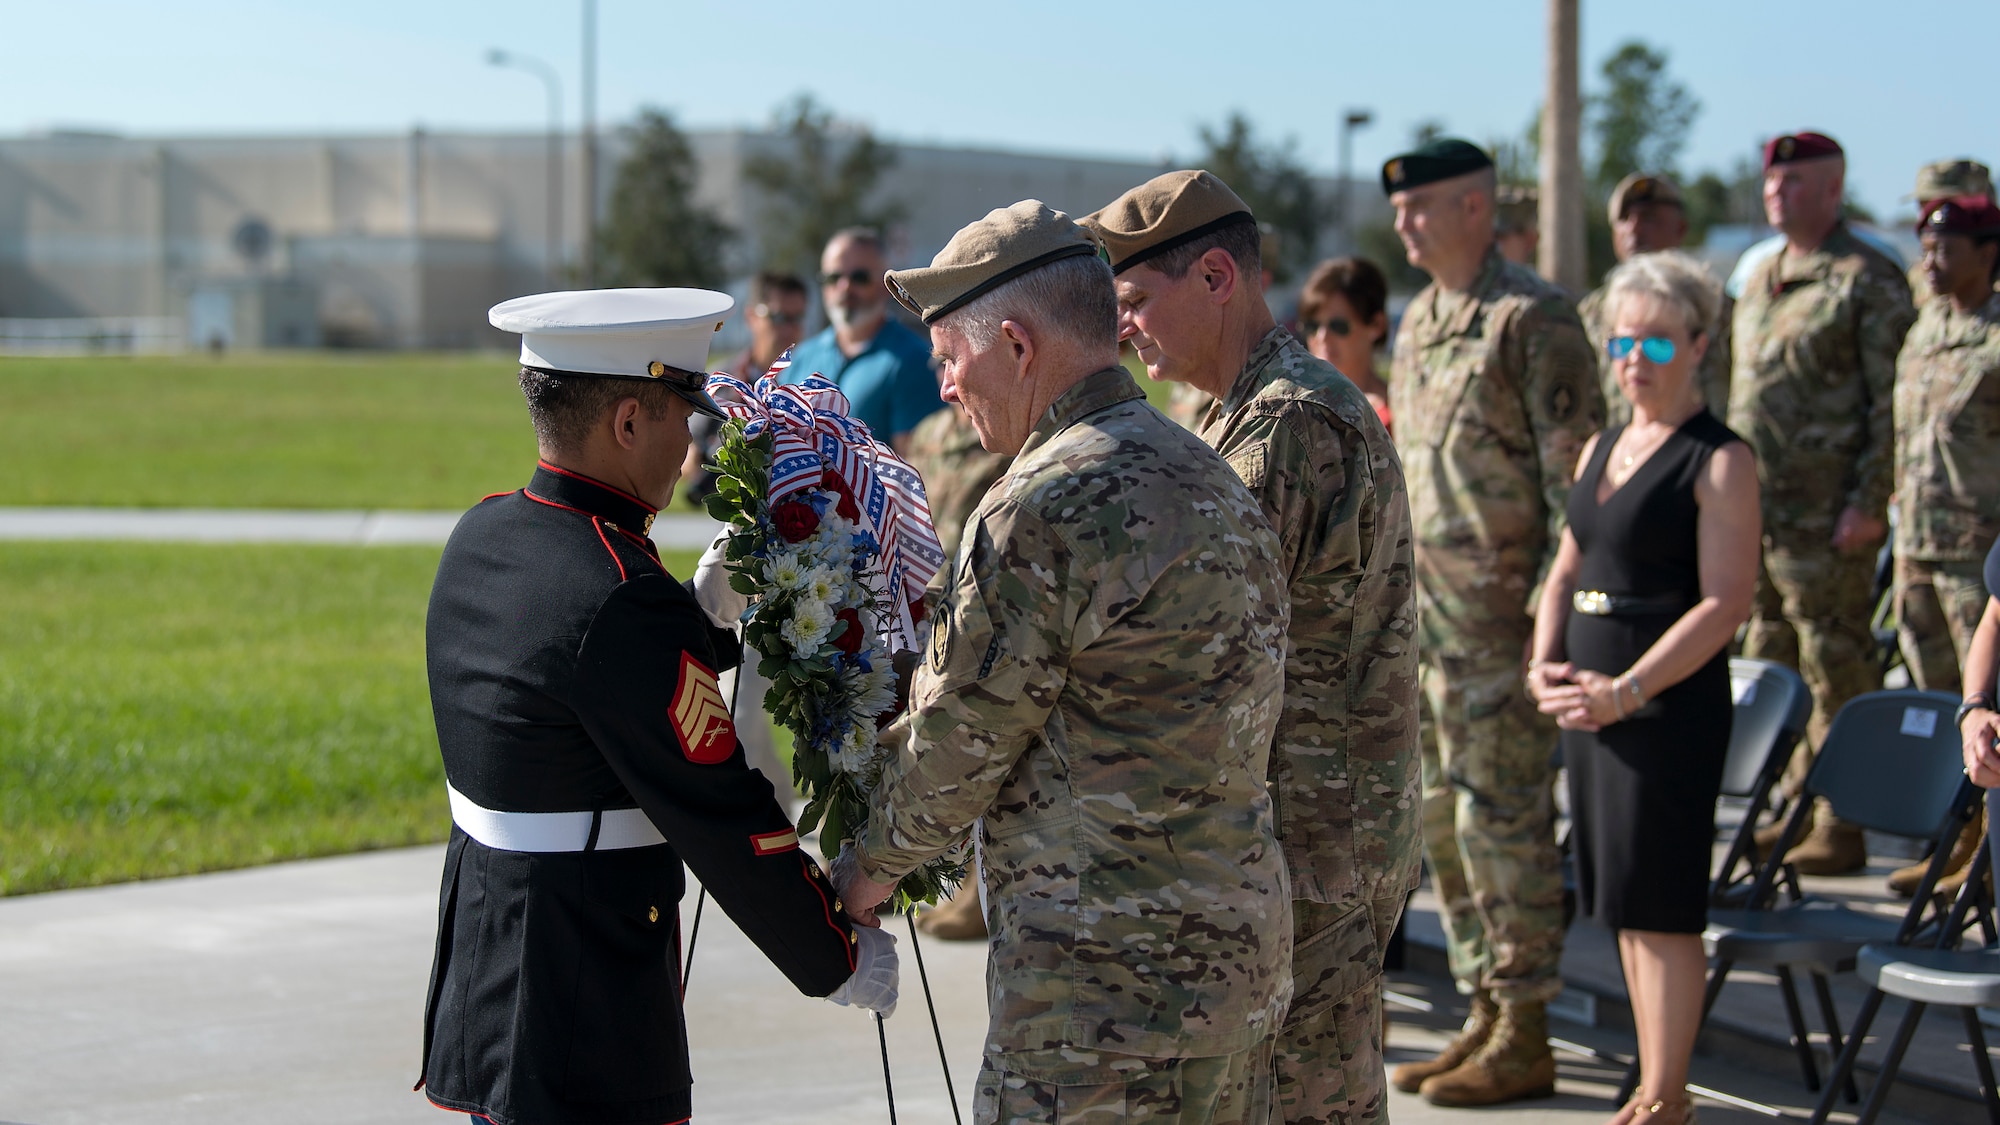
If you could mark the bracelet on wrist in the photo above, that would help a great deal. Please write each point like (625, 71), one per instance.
(1977, 701)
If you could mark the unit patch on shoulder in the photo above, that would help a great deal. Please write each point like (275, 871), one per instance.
(700, 717)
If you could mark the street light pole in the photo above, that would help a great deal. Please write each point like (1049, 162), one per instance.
(589, 255)
(552, 254)
(1355, 119)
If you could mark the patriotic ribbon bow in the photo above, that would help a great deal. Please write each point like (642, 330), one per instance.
(812, 435)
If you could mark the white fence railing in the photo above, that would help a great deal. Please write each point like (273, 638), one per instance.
(92, 335)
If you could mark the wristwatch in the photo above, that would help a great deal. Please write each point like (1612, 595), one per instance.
(1978, 700)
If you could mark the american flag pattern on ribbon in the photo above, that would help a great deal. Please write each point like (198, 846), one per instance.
(812, 434)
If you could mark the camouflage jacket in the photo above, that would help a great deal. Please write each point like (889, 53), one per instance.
(1713, 375)
(1948, 433)
(1102, 686)
(1815, 360)
(957, 470)
(1495, 392)
(1344, 767)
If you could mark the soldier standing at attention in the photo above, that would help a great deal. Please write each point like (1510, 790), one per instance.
(1944, 179)
(1099, 693)
(1647, 216)
(1947, 407)
(1495, 392)
(1311, 448)
(588, 752)
(1817, 329)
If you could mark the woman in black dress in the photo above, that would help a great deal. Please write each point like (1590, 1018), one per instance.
(1654, 573)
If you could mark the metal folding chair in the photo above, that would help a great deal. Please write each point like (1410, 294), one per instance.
(1890, 764)
(1772, 704)
(1943, 973)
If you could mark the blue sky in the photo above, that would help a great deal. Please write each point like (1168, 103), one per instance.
(1129, 79)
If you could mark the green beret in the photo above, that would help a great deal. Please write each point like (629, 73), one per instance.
(1439, 160)
(1164, 213)
(981, 257)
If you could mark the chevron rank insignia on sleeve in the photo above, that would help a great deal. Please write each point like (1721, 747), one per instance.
(700, 717)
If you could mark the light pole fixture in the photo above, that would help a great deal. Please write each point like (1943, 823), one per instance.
(552, 260)
(1354, 119)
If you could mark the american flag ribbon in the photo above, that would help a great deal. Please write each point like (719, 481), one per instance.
(812, 434)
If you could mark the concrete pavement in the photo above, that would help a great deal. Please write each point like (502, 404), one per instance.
(295, 992)
(671, 531)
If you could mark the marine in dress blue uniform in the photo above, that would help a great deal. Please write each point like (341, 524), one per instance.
(589, 754)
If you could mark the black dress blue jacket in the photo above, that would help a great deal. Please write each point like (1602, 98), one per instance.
(569, 671)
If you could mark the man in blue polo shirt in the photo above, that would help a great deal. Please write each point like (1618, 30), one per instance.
(883, 367)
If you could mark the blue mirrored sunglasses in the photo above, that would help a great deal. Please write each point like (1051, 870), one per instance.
(1658, 349)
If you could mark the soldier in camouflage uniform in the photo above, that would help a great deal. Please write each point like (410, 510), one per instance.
(1943, 179)
(1099, 694)
(1494, 390)
(1817, 329)
(1517, 224)
(1344, 764)
(1947, 407)
(1647, 215)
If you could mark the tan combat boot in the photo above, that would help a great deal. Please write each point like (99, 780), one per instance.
(957, 920)
(1514, 1063)
(1409, 1076)
(1766, 838)
(1903, 883)
(1834, 848)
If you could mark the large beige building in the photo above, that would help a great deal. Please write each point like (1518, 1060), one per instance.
(395, 241)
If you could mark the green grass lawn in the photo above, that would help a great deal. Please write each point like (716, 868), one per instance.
(277, 430)
(166, 709)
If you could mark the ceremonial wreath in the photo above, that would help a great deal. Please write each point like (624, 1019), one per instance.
(831, 540)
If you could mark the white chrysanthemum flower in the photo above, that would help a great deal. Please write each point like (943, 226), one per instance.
(824, 584)
(874, 691)
(810, 623)
(784, 571)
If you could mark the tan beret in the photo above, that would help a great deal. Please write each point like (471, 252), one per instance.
(1163, 213)
(1639, 187)
(985, 255)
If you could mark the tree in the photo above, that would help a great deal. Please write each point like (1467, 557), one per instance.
(826, 181)
(1277, 187)
(1641, 119)
(655, 233)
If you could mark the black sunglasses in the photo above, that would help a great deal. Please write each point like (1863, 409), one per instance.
(1338, 325)
(852, 277)
(776, 317)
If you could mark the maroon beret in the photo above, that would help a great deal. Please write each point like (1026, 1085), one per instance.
(1799, 146)
(1960, 214)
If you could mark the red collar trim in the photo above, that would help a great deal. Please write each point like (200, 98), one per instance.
(560, 471)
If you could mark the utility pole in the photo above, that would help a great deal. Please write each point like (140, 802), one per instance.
(587, 258)
(1562, 258)
(1355, 119)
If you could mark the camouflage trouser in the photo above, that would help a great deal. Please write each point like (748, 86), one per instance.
(1812, 613)
(1329, 1054)
(1489, 822)
(1938, 605)
(1076, 1087)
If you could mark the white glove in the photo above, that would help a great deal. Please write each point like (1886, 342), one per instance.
(723, 605)
(873, 985)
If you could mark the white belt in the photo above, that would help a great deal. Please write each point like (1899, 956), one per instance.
(551, 831)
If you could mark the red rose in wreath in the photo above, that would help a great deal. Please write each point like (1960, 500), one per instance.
(849, 640)
(794, 520)
(848, 508)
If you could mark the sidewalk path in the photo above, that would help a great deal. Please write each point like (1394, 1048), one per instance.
(671, 531)
(295, 993)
